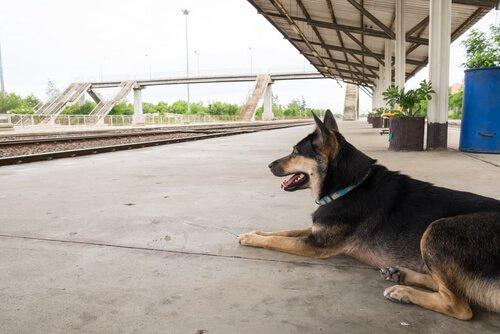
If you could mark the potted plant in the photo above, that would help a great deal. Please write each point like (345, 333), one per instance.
(369, 117)
(406, 128)
(377, 121)
(480, 128)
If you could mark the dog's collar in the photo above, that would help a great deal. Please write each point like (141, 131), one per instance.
(339, 193)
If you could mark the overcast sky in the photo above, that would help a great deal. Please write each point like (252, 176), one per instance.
(67, 41)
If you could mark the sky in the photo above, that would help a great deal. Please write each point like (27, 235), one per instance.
(65, 41)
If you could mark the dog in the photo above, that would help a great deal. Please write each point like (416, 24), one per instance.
(441, 246)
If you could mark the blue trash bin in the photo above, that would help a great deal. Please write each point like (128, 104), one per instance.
(480, 131)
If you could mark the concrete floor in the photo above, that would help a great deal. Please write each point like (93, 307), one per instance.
(144, 241)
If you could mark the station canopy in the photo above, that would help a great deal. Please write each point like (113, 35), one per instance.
(344, 39)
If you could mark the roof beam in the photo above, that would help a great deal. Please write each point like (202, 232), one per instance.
(318, 35)
(348, 63)
(368, 75)
(355, 51)
(341, 40)
(365, 49)
(372, 18)
(476, 3)
(418, 26)
(345, 28)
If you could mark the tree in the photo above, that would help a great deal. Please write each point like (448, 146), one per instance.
(482, 50)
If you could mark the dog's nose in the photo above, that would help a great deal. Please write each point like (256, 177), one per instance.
(272, 164)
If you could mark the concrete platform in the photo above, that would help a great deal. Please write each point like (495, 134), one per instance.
(144, 241)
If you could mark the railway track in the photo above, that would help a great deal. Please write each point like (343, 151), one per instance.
(24, 149)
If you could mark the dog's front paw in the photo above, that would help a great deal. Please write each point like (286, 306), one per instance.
(392, 274)
(398, 294)
(251, 239)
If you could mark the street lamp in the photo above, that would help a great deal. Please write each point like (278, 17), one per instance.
(251, 61)
(197, 60)
(102, 68)
(185, 12)
(149, 60)
(2, 83)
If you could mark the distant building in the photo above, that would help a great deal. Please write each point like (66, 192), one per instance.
(456, 87)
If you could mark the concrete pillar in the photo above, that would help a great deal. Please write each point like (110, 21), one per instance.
(439, 73)
(351, 103)
(388, 64)
(400, 51)
(377, 95)
(382, 82)
(267, 114)
(138, 117)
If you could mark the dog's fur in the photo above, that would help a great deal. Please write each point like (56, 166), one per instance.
(444, 241)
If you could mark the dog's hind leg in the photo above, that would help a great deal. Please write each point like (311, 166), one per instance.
(407, 276)
(287, 233)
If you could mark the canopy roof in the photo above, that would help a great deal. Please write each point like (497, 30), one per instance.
(344, 39)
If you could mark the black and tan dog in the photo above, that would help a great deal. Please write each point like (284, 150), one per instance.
(445, 242)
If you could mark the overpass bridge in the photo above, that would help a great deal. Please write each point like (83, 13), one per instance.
(75, 92)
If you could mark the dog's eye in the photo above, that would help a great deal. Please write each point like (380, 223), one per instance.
(295, 151)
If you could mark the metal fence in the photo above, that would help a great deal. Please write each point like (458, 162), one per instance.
(32, 120)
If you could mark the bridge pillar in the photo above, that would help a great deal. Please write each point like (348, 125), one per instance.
(138, 118)
(267, 114)
(351, 103)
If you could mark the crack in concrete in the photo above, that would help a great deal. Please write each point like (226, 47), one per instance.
(89, 243)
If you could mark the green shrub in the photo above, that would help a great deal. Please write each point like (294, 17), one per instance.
(482, 50)
(77, 109)
(122, 109)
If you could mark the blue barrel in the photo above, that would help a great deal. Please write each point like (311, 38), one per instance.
(481, 111)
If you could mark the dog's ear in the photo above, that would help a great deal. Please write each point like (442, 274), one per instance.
(330, 122)
(320, 126)
(325, 140)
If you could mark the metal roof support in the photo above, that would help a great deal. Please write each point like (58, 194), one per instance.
(439, 63)
(372, 18)
(400, 51)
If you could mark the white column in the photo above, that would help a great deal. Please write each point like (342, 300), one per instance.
(388, 63)
(138, 117)
(382, 87)
(400, 51)
(439, 72)
(376, 95)
(267, 114)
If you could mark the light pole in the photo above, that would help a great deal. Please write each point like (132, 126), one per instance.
(149, 61)
(197, 60)
(102, 67)
(185, 12)
(2, 83)
(251, 61)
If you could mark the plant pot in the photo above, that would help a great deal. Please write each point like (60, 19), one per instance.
(377, 122)
(406, 133)
(385, 122)
(369, 119)
(480, 128)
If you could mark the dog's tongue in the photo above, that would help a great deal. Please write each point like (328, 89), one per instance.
(290, 181)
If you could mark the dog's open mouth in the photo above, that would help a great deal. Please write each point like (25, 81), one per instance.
(295, 182)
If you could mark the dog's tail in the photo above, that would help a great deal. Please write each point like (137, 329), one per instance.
(485, 292)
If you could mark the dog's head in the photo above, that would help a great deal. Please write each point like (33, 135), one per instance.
(308, 163)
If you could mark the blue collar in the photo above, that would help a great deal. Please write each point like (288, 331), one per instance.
(339, 193)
